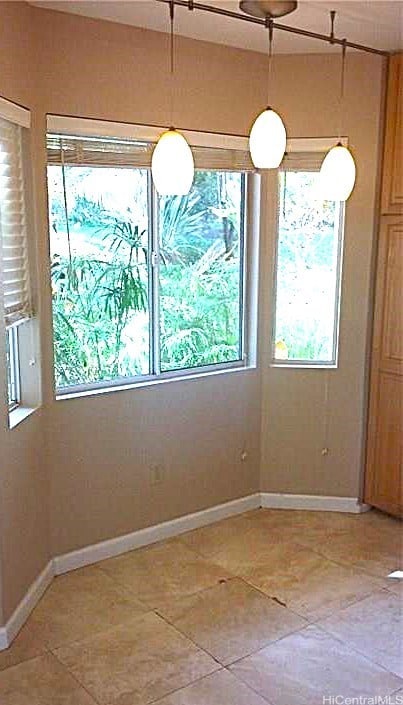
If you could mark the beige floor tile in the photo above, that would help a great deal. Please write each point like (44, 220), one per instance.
(381, 522)
(41, 681)
(248, 550)
(169, 569)
(308, 583)
(374, 627)
(304, 667)
(79, 604)
(368, 550)
(26, 645)
(230, 620)
(209, 540)
(221, 688)
(137, 662)
(315, 528)
(395, 586)
(305, 520)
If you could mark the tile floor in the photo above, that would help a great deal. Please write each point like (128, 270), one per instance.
(271, 607)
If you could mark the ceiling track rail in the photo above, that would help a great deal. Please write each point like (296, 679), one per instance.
(328, 38)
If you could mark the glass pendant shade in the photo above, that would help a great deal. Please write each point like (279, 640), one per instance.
(267, 140)
(172, 165)
(337, 174)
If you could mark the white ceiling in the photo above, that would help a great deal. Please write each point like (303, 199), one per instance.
(372, 22)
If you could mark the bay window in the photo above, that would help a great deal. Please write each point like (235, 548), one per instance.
(143, 286)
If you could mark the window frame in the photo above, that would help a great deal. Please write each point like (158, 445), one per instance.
(22, 375)
(303, 363)
(13, 369)
(59, 124)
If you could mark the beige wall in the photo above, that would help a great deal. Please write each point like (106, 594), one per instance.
(24, 530)
(99, 449)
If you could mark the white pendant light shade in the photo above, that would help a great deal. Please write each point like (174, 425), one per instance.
(337, 174)
(267, 140)
(172, 165)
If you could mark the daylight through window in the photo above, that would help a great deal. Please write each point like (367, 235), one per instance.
(308, 271)
(142, 286)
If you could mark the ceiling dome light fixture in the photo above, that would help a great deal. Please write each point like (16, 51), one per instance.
(268, 138)
(337, 173)
(263, 9)
(172, 164)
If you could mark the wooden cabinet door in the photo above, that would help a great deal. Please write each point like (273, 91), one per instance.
(392, 181)
(384, 472)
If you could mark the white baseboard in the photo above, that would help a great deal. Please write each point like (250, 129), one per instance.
(24, 609)
(310, 502)
(152, 534)
(159, 532)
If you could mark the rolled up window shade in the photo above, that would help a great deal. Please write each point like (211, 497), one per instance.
(302, 161)
(92, 151)
(13, 227)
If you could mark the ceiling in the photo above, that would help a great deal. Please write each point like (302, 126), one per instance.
(376, 23)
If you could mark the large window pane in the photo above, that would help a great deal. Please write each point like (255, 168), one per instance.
(201, 262)
(308, 252)
(99, 260)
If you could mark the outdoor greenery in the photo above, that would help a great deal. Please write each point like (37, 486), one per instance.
(306, 270)
(104, 292)
(101, 273)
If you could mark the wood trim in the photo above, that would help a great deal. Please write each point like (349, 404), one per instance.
(386, 372)
(392, 189)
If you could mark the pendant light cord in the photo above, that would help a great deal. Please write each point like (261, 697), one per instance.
(342, 87)
(269, 25)
(172, 64)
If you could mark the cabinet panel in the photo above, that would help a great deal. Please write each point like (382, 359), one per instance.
(385, 490)
(392, 191)
(392, 328)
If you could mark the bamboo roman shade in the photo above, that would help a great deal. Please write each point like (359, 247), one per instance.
(90, 151)
(93, 151)
(13, 226)
(302, 161)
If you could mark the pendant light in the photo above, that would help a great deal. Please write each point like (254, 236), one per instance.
(172, 164)
(337, 173)
(268, 138)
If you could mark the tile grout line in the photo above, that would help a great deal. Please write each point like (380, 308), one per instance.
(74, 677)
(251, 653)
(360, 653)
(183, 687)
(248, 685)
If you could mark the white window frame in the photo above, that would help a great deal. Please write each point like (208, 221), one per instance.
(62, 125)
(22, 336)
(13, 369)
(312, 145)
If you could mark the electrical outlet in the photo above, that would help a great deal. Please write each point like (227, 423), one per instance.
(156, 474)
(243, 455)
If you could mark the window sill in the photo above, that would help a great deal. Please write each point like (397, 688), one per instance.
(19, 414)
(152, 382)
(304, 366)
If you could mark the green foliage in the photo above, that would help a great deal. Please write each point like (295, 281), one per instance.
(100, 293)
(93, 301)
(87, 211)
(200, 311)
(306, 272)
